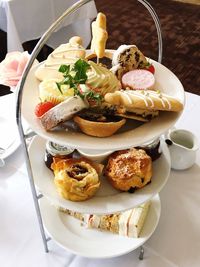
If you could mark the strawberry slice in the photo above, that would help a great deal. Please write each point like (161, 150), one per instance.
(43, 107)
(150, 68)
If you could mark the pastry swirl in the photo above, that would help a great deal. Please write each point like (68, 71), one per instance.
(75, 179)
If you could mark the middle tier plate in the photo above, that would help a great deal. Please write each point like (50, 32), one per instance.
(107, 199)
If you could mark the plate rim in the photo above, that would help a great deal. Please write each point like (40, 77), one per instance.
(156, 205)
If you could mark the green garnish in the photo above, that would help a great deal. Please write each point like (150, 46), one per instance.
(59, 88)
(76, 76)
(64, 69)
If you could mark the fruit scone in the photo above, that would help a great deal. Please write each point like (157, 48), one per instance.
(128, 223)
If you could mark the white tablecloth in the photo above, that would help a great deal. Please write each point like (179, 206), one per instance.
(28, 20)
(176, 241)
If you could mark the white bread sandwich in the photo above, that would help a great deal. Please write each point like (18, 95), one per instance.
(128, 223)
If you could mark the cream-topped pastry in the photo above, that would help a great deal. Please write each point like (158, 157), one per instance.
(101, 80)
(48, 91)
(64, 54)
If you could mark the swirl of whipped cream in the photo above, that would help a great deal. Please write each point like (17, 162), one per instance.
(101, 79)
(66, 54)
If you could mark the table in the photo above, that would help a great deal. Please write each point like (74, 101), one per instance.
(28, 20)
(175, 242)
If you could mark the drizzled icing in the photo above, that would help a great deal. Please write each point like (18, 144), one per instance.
(149, 97)
(65, 54)
(101, 79)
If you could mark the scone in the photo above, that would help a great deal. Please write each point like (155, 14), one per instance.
(75, 179)
(129, 169)
(126, 58)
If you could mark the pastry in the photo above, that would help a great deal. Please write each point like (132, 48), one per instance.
(144, 99)
(126, 58)
(101, 80)
(48, 91)
(128, 223)
(64, 54)
(129, 169)
(62, 112)
(75, 179)
(99, 35)
(138, 79)
(97, 124)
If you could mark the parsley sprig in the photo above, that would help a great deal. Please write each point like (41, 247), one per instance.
(76, 76)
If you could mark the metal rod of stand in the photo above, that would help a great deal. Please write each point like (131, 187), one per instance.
(158, 27)
(141, 255)
(34, 193)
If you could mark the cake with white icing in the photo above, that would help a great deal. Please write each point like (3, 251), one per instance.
(126, 58)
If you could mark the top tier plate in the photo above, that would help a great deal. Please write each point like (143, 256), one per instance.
(132, 134)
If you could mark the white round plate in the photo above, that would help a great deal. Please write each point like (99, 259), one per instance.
(132, 134)
(107, 199)
(68, 233)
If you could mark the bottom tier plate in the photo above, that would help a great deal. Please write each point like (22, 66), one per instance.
(72, 236)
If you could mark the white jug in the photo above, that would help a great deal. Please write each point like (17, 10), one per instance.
(182, 145)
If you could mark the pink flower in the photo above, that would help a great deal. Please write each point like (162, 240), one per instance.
(11, 68)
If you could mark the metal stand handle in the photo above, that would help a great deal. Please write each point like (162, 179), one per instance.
(19, 92)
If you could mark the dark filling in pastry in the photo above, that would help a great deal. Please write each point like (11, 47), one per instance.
(76, 169)
(105, 62)
(99, 115)
(48, 159)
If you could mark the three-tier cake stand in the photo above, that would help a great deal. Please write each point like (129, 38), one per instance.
(19, 114)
